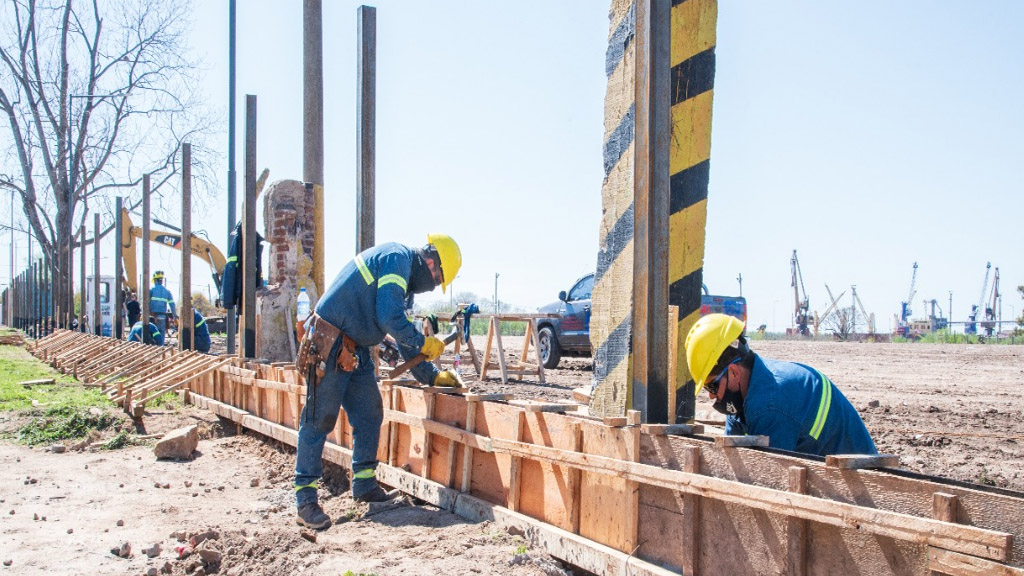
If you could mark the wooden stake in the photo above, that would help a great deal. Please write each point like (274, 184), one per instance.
(796, 528)
(691, 515)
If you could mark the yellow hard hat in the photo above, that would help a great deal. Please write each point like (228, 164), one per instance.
(158, 275)
(450, 255)
(706, 342)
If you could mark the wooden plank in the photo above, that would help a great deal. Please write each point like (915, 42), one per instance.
(427, 436)
(501, 351)
(536, 406)
(488, 397)
(956, 564)
(604, 498)
(631, 436)
(861, 461)
(615, 421)
(944, 507)
(467, 453)
(535, 337)
(796, 528)
(575, 479)
(515, 465)
(691, 516)
(486, 362)
(39, 382)
(741, 441)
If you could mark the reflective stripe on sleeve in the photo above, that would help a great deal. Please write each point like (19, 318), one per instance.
(392, 279)
(823, 406)
(201, 322)
(233, 259)
(361, 265)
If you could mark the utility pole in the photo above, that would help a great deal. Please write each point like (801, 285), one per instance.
(144, 281)
(229, 322)
(249, 233)
(97, 316)
(740, 280)
(313, 127)
(117, 329)
(496, 293)
(366, 114)
(186, 318)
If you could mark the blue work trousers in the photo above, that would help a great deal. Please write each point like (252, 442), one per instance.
(358, 394)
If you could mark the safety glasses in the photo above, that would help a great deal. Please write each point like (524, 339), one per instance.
(712, 386)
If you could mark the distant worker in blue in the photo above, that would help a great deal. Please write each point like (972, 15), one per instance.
(200, 333)
(161, 302)
(155, 336)
(367, 300)
(797, 407)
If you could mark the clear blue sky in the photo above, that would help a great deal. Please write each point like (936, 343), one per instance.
(865, 135)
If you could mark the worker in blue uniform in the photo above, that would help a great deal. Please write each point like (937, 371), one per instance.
(161, 302)
(200, 333)
(155, 336)
(367, 300)
(796, 406)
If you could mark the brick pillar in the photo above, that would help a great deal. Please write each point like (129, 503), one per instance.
(288, 217)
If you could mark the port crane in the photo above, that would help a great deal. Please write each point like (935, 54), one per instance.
(801, 310)
(972, 327)
(903, 324)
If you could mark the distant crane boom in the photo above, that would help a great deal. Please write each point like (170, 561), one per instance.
(802, 305)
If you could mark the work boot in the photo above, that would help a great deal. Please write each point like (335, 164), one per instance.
(312, 516)
(376, 495)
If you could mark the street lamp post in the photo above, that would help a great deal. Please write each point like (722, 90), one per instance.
(496, 293)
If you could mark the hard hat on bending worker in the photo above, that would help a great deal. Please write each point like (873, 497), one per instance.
(796, 406)
(450, 256)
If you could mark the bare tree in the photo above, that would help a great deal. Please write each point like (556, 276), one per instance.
(840, 321)
(95, 94)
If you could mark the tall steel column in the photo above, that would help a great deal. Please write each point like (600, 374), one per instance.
(230, 320)
(366, 113)
(651, 210)
(313, 126)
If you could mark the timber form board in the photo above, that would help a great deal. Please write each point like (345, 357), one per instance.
(618, 500)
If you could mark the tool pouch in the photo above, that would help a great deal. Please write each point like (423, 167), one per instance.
(316, 347)
(347, 359)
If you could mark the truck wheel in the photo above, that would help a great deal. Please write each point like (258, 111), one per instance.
(550, 353)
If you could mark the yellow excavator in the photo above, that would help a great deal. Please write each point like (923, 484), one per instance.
(200, 247)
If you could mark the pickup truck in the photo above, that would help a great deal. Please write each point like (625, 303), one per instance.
(569, 332)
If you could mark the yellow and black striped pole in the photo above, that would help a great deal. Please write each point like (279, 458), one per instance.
(692, 32)
(693, 81)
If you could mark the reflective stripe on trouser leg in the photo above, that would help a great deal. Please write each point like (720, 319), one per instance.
(313, 431)
(365, 474)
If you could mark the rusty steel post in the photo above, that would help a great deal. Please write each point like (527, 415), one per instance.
(651, 210)
(313, 126)
(366, 112)
(97, 312)
(117, 330)
(185, 317)
(144, 281)
(249, 233)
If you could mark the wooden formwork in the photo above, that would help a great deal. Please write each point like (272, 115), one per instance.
(629, 499)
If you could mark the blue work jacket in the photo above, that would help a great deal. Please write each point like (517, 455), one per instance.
(155, 336)
(369, 298)
(200, 332)
(800, 410)
(161, 301)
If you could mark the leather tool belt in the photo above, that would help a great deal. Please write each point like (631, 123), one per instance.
(316, 348)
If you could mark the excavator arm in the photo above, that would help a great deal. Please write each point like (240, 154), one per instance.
(199, 247)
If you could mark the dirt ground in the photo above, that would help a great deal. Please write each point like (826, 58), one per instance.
(952, 410)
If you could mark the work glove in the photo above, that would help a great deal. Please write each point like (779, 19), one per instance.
(447, 378)
(432, 348)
